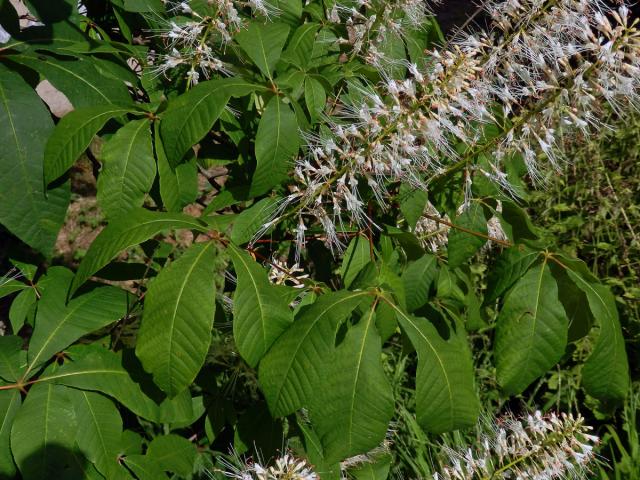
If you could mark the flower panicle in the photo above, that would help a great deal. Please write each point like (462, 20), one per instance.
(537, 447)
(285, 467)
(197, 41)
(547, 70)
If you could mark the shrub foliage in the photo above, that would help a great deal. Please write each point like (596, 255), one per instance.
(365, 161)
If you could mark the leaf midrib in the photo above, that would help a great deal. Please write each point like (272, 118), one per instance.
(53, 333)
(258, 299)
(96, 424)
(127, 160)
(175, 309)
(609, 317)
(69, 139)
(534, 314)
(435, 352)
(357, 377)
(70, 72)
(20, 151)
(306, 334)
(96, 263)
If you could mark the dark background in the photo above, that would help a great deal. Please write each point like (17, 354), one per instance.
(452, 14)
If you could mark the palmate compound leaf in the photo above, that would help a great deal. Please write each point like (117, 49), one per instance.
(190, 116)
(445, 395)
(72, 136)
(605, 374)
(43, 434)
(128, 169)
(353, 402)
(59, 324)
(134, 228)
(531, 330)
(100, 433)
(260, 313)
(26, 209)
(291, 369)
(179, 306)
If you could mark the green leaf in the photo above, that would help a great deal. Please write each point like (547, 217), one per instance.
(251, 220)
(575, 304)
(59, 324)
(277, 143)
(179, 307)
(173, 453)
(27, 271)
(9, 405)
(289, 11)
(155, 6)
(445, 394)
(144, 467)
(7, 287)
(128, 169)
(462, 245)
(100, 433)
(260, 314)
(43, 434)
(315, 455)
(26, 210)
(263, 44)
(103, 371)
(353, 403)
(512, 264)
(290, 370)
(79, 80)
(21, 307)
(301, 44)
(605, 374)
(179, 186)
(315, 98)
(191, 116)
(356, 257)
(122, 233)
(418, 278)
(72, 136)
(447, 286)
(412, 204)
(377, 469)
(393, 49)
(12, 358)
(531, 330)
(518, 221)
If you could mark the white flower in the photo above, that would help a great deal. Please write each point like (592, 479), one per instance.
(286, 467)
(281, 274)
(553, 70)
(543, 447)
